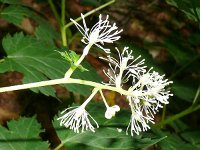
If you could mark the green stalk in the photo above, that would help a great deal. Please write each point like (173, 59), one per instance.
(59, 146)
(62, 28)
(196, 96)
(178, 116)
(90, 12)
(63, 12)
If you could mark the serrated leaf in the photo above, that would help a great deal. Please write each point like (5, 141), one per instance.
(22, 134)
(39, 62)
(106, 137)
(15, 14)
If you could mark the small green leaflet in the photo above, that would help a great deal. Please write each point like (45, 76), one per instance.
(22, 134)
(72, 58)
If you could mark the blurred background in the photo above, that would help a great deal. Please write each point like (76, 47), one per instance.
(166, 33)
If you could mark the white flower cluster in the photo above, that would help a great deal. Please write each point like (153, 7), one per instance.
(102, 32)
(121, 70)
(146, 92)
(147, 89)
(76, 119)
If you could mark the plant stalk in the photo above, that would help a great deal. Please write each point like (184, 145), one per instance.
(62, 27)
(64, 81)
(89, 13)
(178, 116)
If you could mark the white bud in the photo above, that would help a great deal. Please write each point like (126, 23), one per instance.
(111, 111)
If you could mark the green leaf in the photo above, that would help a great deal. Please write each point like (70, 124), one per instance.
(72, 58)
(173, 142)
(184, 91)
(190, 7)
(22, 134)
(38, 62)
(192, 137)
(179, 49)
(46, 33)
(179, 125)
(107, 137)
(15, 14)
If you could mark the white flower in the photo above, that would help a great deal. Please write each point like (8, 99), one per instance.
(102, 32)
(139, 121)
(111, 111)
(77, 118)
(152, 89)
(121, 70)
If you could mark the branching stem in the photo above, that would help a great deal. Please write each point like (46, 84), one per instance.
(64, 81)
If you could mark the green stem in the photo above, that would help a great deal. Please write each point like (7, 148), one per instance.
(59, 146)
(62, 28)
(104, 100)
(54, 11)
(90, 12)
(63, 12)
(63, 36)
(196, 95)
(178, 116)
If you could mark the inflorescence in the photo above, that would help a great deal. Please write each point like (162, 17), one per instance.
(145, 95)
